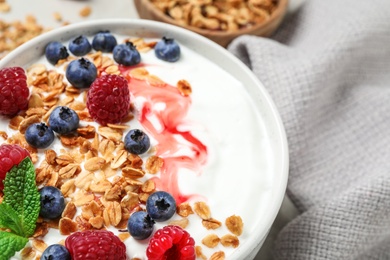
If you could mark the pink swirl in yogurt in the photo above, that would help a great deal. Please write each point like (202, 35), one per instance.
(164, 110)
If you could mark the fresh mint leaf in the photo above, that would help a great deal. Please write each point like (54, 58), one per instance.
(10, 244)
(21, 193)
(9, 219)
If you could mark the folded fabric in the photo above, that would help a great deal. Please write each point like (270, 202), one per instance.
(328, 71)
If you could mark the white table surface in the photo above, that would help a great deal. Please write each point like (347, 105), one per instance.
(44, 11)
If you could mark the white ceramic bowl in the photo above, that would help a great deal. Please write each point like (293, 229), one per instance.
(256, 193)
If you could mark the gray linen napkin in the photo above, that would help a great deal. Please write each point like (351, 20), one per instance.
(328, 70)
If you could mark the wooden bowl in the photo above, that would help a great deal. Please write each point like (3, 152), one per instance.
(147, 10)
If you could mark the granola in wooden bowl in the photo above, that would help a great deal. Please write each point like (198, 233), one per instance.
(219, 20)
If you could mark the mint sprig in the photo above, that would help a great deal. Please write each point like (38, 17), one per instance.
(10, 243)
(9, 219)
(21, 193)
(20, 208)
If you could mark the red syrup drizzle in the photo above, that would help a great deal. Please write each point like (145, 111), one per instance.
(167, 131)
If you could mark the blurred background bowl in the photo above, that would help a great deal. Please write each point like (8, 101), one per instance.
(148, 10)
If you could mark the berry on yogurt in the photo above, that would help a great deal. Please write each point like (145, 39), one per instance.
(10, 155)
(14, 91)
(171, 242)
(104, 41)
(108, 99)
(79, 46)
(63, 120)
(140, 225)
(167, 49)
(161, 206)
(55, 51)
(52, 202)
(95, 244)
(56, 251)
(39, 135)
(126, 54)
(137, 141)
(81, 73)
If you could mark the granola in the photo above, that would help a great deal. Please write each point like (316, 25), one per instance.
(13, 34)
(218, 15)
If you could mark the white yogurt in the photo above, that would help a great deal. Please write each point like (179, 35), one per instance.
(236, 178)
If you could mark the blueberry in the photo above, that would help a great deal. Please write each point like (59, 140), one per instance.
(55, 51)
(136, 141)
(104, 41)
(52, 202)
(39, 135)
(63, 120)
(79, 46)
(140, 225)
(167, 49)
(161, 206)
(126, 54)
(81, 73)
(57, 252)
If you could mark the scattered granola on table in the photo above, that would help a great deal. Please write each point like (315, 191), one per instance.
(85, 11)
(13, 34)
(4, 6)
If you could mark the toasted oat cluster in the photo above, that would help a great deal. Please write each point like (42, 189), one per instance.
(223, 15)
(4, 6)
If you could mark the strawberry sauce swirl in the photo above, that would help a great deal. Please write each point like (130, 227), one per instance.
(163, 125)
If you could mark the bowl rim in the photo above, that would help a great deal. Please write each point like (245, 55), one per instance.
(280, 11)
(205, 44)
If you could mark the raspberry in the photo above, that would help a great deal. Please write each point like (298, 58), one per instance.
(171, 242)
(108, 99)
(13, 91)
(95, 245)
(10, 155)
